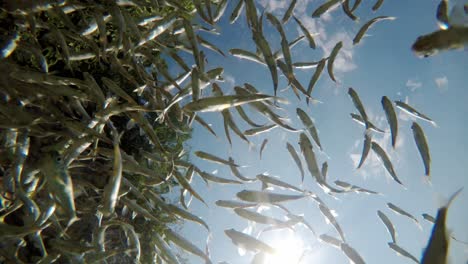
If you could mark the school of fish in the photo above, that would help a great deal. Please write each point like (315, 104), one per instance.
(89, 99)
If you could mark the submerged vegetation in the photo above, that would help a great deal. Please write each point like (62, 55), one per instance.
(94, 121)
(83, 162)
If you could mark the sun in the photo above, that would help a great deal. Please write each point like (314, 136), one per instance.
(289, 249)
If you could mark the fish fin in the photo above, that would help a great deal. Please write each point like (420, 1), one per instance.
(442, 25)
(444, 202)
(419, 225)
(453, 197)
(251, 146)
(427, 180)
(460, 241)
(207, 248)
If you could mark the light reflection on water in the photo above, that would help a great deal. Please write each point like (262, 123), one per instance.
(289, 248)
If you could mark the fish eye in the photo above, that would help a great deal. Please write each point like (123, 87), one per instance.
(58, 159)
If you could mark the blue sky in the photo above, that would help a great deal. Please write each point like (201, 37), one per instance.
(382, 64)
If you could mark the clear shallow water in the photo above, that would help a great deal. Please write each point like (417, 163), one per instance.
(382, 64)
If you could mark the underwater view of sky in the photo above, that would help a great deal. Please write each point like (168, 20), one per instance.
(382, 64)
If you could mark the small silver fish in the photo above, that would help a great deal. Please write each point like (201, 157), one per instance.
(186, 185)
(266, 197)
(10, 46)
(205, 43)
(187, 215)
(306, 33)
(248, 242)
(265, 48)
(305, 65)
(235, 171)
(353, 188)
(365, 148)
(111, 190)
(352, 254)
(236, 11)
(273, 181)
(234, 204)
(385, 160)
(137, 208)
(315, 77)
(185, 244)
(296, 159)
(413, 112)
(332, 58)
(213, 158)
(332, 220)
(289, 12)
(59, 183)
(391, 118)
(359, 106)
(324, 8)
(347, 10)
(165, 250)
(230, 124)
(246, 118)
(219, 103)
(259, 130)
(400, 251)
(221, 8)
(377, 5)
(210, 177)
(205, 125)
(247, 55)
(330, 240)
(158, 29)
(262, 147)
(310, 126)
(388, 224)
(257, 217)
(309, 157)
(284, 45)
(400, 211)
(372, 127)
(423, 147)
(367, 25)
(429, 218)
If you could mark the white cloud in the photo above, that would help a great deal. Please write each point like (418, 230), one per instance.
(279, 6)
(413, 84)
(344, 61)
(442, 83)
(229, 80)
(274, 6)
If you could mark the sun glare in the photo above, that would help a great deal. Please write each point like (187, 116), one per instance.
(289, 249)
